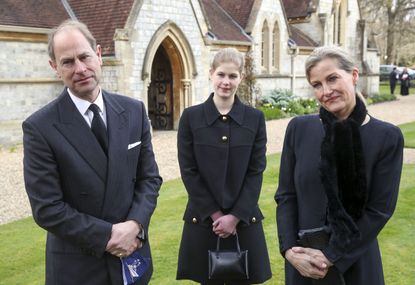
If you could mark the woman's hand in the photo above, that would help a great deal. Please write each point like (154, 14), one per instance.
(216, 215)
(308, 262)
(225, 226)
(317, 256)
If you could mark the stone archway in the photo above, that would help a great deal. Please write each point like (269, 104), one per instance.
(168, 50)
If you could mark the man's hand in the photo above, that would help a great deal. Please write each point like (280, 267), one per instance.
(124, 239)
(312, 266)
(225, 226)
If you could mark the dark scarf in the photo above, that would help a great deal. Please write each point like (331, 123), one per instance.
(342, 171)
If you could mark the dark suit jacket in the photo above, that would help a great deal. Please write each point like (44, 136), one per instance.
(77, 193)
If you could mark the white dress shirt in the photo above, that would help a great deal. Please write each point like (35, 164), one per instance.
(83, 107)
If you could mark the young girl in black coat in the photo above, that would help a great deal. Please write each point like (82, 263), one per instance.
(221, 149)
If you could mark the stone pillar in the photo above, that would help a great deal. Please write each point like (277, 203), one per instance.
(187, 100)
(323, 22)
(124, 58)
(362, 35)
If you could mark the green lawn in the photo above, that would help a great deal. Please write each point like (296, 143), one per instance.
(22, 250)
(408, 131)
(384, 88)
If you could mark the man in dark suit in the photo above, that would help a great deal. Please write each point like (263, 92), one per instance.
(393, 77)
(90, 172)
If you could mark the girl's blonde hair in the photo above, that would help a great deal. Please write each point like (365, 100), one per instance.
(229, 55)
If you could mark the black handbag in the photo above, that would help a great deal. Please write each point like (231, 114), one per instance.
(228, 265)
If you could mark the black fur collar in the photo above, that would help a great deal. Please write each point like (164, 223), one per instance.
(342, 171)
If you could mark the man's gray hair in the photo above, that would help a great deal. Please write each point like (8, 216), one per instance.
(74, 25)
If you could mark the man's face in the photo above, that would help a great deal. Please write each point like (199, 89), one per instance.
(77, 64)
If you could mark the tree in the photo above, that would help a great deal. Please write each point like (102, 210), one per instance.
(248, 90)
(393, 21)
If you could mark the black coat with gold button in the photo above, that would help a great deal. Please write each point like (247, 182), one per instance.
(222, 158)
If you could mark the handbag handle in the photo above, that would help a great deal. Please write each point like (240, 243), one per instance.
(237, 243)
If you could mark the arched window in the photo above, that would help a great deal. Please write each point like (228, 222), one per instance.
(276, 47)
(339, 22)
(265, 47)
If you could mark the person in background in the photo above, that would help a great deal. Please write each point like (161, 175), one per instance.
(405, 82)
(221, 150)
(338, 181)
(393, 78)
(89, 169)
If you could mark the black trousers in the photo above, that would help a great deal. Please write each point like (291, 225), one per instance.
(392, 87)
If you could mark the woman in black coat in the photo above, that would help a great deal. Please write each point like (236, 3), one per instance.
(221, 150)
(338, 183)
(405, 82)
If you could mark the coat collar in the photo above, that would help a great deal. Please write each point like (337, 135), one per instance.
(212, 114)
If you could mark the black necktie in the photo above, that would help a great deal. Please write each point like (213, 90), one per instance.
(98, 127)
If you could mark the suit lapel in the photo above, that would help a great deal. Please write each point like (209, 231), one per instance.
(118, 134)
(74, 128)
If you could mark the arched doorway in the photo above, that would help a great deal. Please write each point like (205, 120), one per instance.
(160, 92)
(170, 53)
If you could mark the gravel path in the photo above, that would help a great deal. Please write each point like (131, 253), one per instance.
(14, 204)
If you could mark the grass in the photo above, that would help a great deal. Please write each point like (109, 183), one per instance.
(22, 253)
(22, 250)
(408, 131)
(396, 240)
(384, 88)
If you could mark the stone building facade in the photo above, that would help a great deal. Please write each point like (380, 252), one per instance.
(26, 80)
(159, 51)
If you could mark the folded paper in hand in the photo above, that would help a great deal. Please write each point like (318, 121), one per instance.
(133, 267)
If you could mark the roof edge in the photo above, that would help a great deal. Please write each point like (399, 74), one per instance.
(225, 42)
(68, 9)
(234, 22)
(253, 16)
(24, 29)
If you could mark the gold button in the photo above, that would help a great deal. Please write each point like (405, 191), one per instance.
(224, 118)
(194, 220)
(224, 138)
(253, 220)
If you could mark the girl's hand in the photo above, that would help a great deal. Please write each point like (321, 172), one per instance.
(225, 225)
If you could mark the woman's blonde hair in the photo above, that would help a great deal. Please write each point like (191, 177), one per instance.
(229, 55)
(343, 59)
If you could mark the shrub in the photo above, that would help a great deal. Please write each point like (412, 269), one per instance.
(272, 113)
(279, 98)
(280, 103)
(378, 98)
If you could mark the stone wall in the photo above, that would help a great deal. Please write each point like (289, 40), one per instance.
(271, 11)
(152, 16)
(27, 82)
(110, 78)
